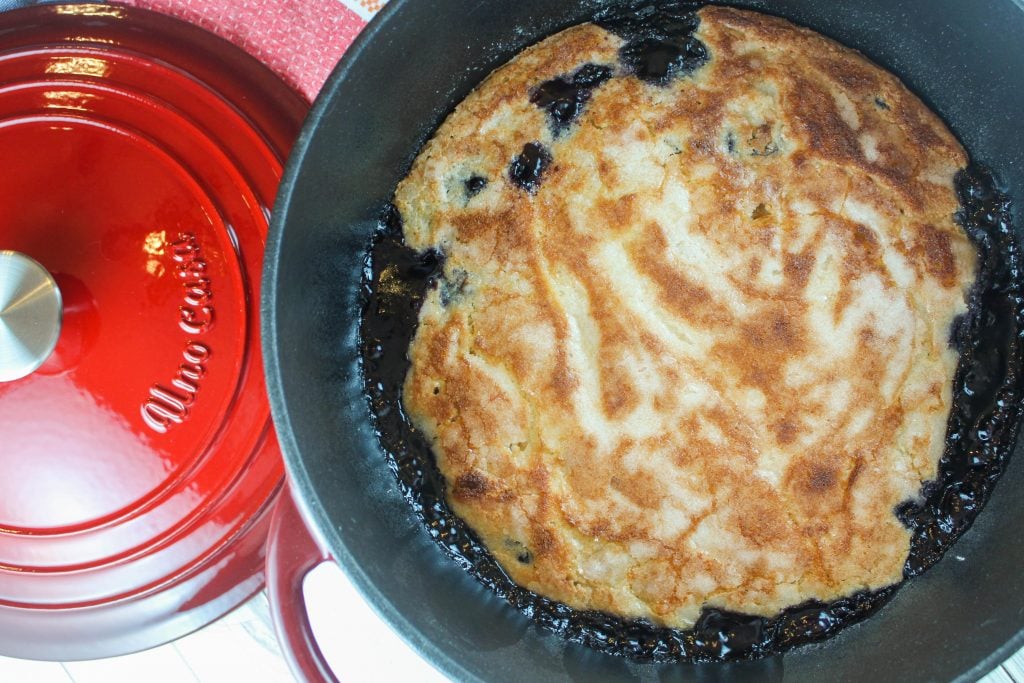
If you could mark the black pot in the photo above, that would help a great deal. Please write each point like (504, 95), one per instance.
(413, 63)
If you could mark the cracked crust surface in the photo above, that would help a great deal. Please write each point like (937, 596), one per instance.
(705, 359)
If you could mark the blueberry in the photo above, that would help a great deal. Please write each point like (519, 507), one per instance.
(527, 168)
(475, 185)
(564, 98)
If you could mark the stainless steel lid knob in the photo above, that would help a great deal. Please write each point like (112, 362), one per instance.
(30, 315)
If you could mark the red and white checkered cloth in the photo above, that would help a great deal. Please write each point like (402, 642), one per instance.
(301, 40)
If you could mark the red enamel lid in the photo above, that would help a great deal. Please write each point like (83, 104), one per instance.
(139, 158)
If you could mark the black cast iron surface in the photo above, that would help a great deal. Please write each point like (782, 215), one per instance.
(955, 621)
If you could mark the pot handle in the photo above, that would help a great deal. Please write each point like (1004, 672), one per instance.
(291, 554)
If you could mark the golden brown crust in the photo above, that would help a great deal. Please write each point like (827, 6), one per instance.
(706, 359)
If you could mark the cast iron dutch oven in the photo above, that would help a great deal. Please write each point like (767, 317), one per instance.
(393, 87)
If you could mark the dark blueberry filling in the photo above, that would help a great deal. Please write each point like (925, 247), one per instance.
(527, 168)
(564, 98)
(958, 332)
(660, 44)
(453, 286)
(987, 390)
(730, 142)
(523, 554)
(474, 184)
(980, 437)
(591, 75)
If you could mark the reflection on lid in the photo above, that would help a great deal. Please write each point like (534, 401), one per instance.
(89, 39)
(155, 242)
(90, 10)
(67, 99)
(153, 245)
(79, 66)
(155, 268)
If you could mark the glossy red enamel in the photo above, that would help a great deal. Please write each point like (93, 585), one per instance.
(139, 158)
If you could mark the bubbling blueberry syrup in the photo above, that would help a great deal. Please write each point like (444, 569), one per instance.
(660, 44)
(565, 97)
(988, 386)
(527, 168)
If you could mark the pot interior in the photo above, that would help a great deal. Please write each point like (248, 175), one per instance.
(404, 74)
